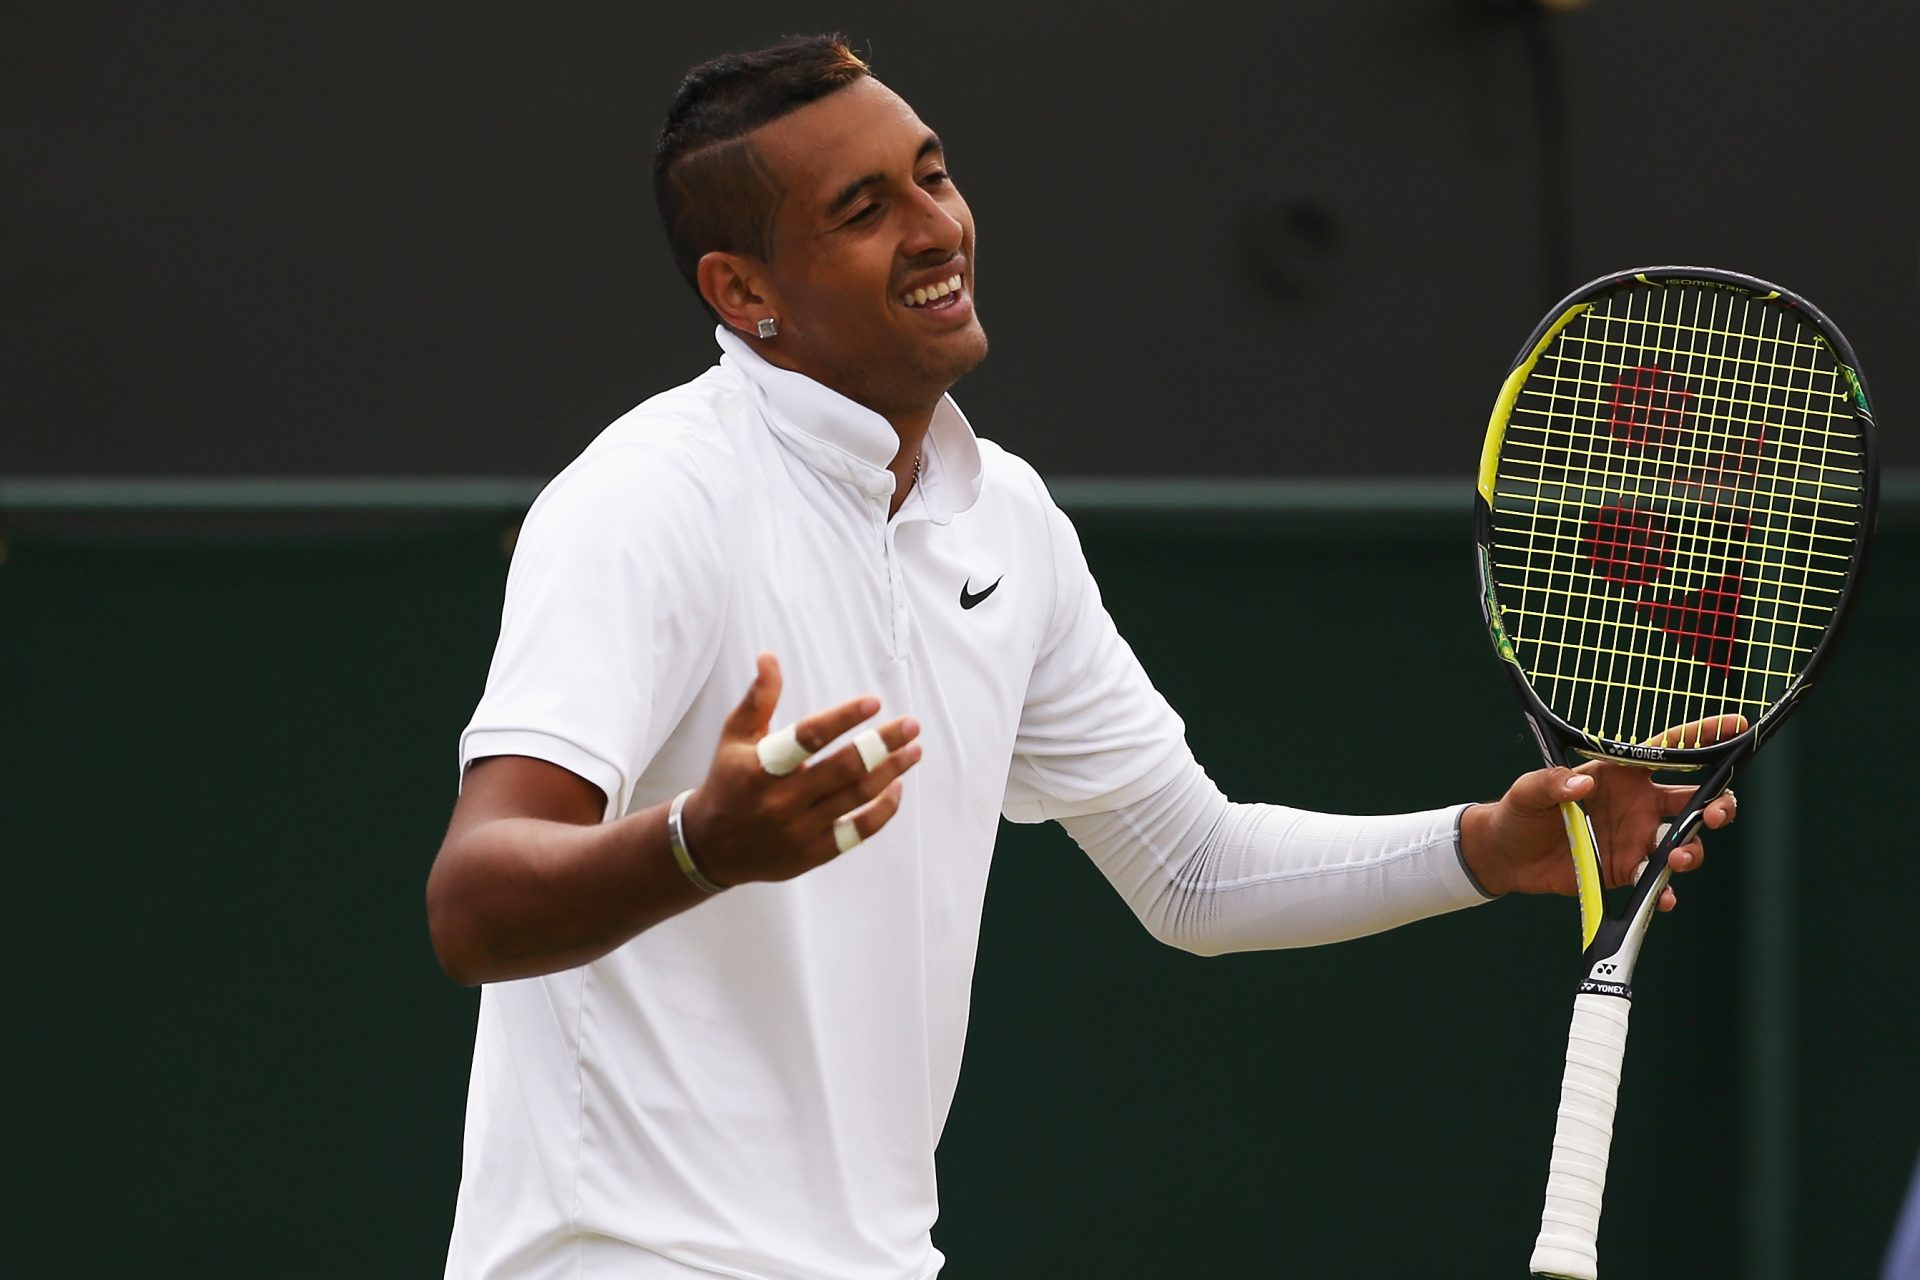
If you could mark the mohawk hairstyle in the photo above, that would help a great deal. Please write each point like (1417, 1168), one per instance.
(712, 188)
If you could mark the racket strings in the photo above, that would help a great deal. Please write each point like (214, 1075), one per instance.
(1678, 498)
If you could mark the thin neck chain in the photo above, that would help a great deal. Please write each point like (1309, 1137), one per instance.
(918, 458)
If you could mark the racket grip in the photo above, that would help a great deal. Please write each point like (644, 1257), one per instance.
(1570, 1223)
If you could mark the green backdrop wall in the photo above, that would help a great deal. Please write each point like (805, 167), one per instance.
(228, 756)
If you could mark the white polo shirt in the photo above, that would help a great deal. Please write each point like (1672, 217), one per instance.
(754, 1088)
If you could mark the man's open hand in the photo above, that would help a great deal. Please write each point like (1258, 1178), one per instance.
(744, 823)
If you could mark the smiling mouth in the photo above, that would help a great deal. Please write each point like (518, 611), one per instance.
(934, 298)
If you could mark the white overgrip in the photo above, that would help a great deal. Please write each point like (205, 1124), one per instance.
(1570, 1223)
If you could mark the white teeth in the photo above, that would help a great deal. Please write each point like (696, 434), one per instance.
(921, 297)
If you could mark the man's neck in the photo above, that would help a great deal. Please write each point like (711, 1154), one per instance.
(912, 430)
(909, 424)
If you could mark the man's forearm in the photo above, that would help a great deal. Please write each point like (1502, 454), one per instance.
(1208, 876)
(519, 897)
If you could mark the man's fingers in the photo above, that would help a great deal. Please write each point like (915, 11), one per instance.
(1674, 799)
(748, 722)
(859, 825)
(1700, 733)
(816, 731)
(1545, 789)
(869, 783)
(849, 766)
(1723, 810)
(787, 748)
(1571, 784)
(1685, 857)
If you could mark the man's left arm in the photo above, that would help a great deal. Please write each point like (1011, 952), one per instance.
(1211, 876)
(1101, 752)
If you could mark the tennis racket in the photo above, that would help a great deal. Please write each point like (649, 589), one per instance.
(1676, 494)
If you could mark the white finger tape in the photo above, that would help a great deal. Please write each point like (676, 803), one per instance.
(845, 834)
(871, 748)
(781, 752)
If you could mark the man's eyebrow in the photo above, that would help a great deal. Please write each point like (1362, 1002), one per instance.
(931, 145)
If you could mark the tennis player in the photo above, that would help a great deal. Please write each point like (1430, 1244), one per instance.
(778, 650)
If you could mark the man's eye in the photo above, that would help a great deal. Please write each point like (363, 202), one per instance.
(936, 177)
(865, 215)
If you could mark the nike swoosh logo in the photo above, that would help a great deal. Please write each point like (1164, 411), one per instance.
(969, 599)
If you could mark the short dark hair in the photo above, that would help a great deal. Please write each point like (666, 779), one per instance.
(710, 184)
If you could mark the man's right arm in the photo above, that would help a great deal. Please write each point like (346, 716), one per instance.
(530, 881)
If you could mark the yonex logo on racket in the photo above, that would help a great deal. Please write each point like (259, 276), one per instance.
(1627, 546)
(1649, 406)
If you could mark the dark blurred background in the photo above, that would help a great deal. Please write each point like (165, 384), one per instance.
(351, 279)
(1216, 238)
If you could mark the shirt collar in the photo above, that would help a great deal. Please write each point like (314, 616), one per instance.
(849, 441)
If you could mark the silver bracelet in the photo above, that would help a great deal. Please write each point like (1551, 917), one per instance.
(677, 837)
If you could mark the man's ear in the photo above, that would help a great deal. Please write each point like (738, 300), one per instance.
(736, 286)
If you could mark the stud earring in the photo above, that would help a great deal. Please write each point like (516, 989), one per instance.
(768, 327)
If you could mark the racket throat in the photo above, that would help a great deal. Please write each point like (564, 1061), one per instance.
(1606, 966)
(1613, 938)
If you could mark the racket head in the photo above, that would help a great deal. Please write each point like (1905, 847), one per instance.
(1676, 494)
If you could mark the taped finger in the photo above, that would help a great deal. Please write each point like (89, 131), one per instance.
(872, 748)
(845, 835)
(781, 752)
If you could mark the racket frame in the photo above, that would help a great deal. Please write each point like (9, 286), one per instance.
(1611, 942)
(1615, 938)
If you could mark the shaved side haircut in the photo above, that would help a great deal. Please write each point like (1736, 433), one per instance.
(713, 189)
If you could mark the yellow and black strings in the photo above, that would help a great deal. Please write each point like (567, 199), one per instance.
(1700, 607)
(1816, 501)
(1677, 499)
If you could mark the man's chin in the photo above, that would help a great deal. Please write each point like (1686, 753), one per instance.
(908, 376)
(954, 360)
(957, 353)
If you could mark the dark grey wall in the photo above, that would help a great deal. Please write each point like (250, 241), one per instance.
(1217, 238)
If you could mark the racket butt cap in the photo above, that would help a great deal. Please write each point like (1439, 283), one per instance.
(1563, 1264)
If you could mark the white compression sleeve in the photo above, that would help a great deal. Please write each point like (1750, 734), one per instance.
(1209, 876)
